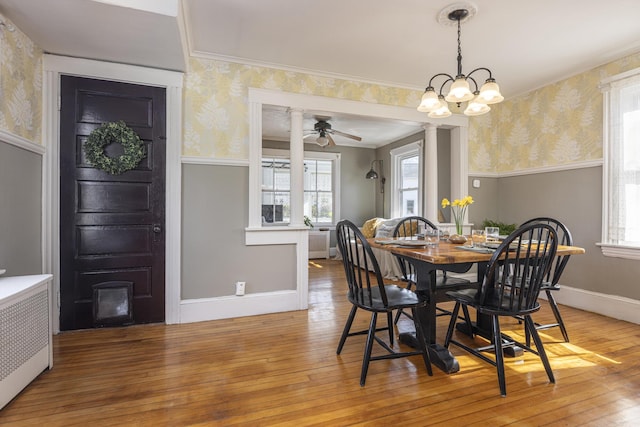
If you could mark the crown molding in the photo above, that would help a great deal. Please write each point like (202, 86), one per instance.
(255, 63)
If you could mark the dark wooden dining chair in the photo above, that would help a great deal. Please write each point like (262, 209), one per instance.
(368, 292)
(551, 281)
(407, 227)
(511, 285)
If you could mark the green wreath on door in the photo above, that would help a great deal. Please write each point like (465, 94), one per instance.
(114, 133)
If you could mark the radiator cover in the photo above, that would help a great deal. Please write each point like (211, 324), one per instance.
(25, 332)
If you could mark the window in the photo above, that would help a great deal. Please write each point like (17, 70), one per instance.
(318, 190)
(406, 171)
(276, 188)
(321, 187)
(621, 223)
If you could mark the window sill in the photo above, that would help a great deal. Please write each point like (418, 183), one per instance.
(620, 251)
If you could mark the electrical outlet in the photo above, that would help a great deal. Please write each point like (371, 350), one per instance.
(240, 288)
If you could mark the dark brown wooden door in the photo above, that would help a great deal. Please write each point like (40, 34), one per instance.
(111, 226)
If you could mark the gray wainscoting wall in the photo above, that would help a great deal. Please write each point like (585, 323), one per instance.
(485, 199)
(20, 211)
(574, 197)
(214, 254)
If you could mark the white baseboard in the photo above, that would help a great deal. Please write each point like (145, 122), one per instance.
(617, 307)
(199, 310)
(614, 306)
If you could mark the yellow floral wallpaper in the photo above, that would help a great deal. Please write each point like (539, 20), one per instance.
(216, 116)
(556, 125)
(20, 84)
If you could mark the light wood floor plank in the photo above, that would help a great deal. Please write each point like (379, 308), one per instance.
(282, 370)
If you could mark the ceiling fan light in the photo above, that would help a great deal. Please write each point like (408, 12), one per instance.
(459, 91)
(429, 101)
(490, 92)
(322, 141)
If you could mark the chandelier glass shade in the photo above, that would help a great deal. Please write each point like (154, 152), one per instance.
(436, 103)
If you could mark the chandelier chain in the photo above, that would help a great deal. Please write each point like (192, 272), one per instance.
(459, 50)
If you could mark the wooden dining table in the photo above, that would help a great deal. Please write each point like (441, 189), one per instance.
(427, 260)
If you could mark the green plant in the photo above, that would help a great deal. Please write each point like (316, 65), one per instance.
(505, 229)
(307, 222)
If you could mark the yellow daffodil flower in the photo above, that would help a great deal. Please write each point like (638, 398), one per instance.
(458, 210)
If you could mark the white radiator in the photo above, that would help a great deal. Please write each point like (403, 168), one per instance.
(25, 332)
(319, 244)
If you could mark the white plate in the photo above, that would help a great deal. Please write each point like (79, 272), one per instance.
(411, 243)
(512, 247)
(403, 242)
(476, 249)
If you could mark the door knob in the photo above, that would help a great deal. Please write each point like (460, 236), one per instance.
(157, 228)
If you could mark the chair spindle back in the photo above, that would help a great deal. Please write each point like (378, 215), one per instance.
(358, 259)
(518, 268)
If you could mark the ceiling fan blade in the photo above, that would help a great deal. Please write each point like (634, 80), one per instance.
(337, 132)
(332, 143)
(310, 135)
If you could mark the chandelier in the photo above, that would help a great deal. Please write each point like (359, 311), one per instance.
(436, 104)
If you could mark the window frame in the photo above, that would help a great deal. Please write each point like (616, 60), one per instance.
(397, 156)
(608, 247)
(335, 158)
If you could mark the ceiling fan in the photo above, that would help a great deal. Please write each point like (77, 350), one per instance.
(323, 129)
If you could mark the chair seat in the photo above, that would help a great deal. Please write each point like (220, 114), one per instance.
(548, 286)
(491, 306)
(397, 298)
(448, 284)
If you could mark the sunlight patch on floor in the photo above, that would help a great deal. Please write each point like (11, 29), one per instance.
(562, 355)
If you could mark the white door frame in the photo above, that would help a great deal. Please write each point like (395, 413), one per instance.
(54, 67)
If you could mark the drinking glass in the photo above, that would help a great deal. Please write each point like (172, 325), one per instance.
(444, 233)
(433, 237)
(477, 238)
(492, 235)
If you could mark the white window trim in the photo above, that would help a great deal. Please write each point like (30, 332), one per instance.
(335, 175)
(397, 155)
(608, 248)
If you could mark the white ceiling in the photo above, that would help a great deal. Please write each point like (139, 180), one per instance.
(526, 45)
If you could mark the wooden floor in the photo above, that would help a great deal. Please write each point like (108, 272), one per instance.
(282, 369)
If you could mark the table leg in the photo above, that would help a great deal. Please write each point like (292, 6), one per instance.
(440, 357)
